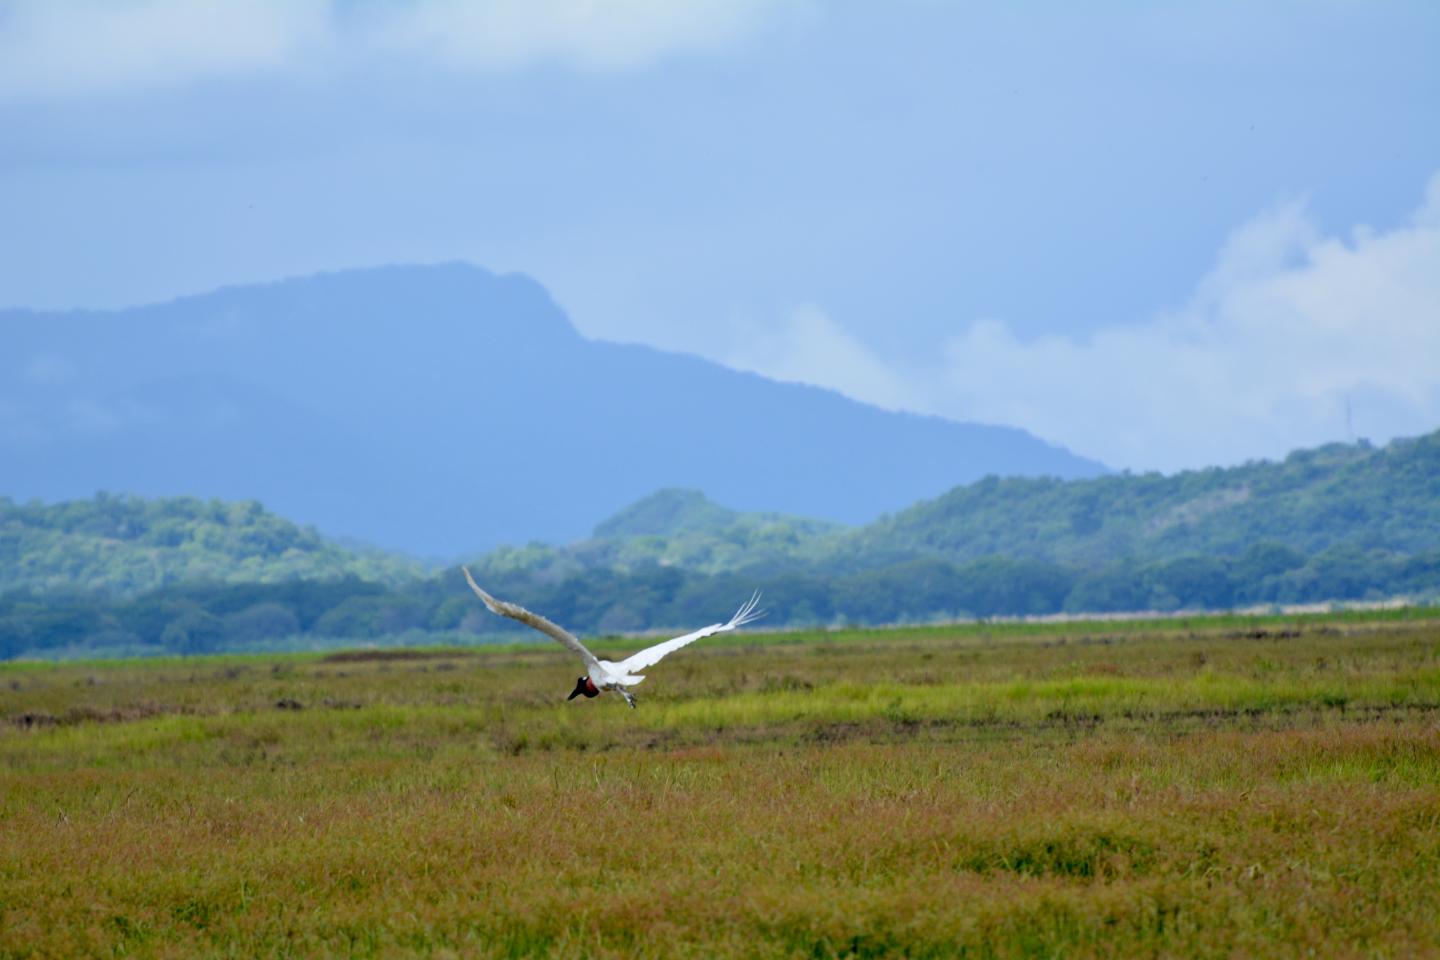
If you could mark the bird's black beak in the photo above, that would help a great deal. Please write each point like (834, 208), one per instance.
(579, 689)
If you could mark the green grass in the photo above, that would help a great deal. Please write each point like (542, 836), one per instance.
(1215, 787)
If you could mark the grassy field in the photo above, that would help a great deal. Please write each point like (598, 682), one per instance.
(1221, 787)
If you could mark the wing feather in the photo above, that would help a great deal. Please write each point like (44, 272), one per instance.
(651, 655)
(517, 612)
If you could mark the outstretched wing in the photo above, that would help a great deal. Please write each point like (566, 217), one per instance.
(650, 655)
(516, 612)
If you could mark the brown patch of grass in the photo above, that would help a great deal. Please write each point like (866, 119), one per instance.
(85, 713)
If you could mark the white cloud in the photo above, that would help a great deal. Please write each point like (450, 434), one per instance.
(74, 48)
(64, 48)
(1288, 329)
(807, 346)
(591, 35)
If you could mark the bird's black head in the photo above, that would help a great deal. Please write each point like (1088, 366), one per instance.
(583, 687)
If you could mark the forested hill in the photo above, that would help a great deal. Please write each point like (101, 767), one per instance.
(1342, 522)
(127, 545)
(1343, 495)
(673, 513)
(1354, 494)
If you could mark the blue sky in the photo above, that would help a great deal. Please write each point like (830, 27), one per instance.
(1164, 235)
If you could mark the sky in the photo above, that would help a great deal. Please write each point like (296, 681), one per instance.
(1163, 235)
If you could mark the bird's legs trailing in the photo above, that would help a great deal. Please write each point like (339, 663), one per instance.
(628, 698)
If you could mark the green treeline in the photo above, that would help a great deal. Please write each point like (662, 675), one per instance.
(200, 618)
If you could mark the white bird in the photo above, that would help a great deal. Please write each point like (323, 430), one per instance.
(601, 675)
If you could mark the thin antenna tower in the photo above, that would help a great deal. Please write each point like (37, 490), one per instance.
(1349, 425)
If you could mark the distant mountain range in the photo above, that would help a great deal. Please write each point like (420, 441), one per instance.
(444, 410)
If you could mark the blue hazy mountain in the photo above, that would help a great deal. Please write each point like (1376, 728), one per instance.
(445, 409)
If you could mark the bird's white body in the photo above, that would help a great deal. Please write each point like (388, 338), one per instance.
(607, 674)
